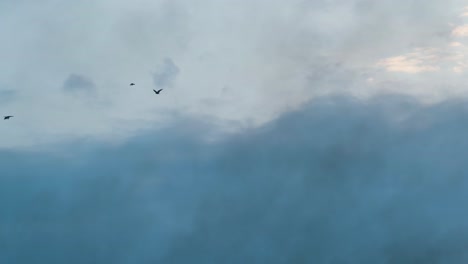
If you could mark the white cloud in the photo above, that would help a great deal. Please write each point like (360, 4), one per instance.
(275, 56)
(408, 64)
(465, 12)
(460, 31)
(451, 57)
(456, 44)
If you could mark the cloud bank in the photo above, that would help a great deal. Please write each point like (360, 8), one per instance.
(336, 181)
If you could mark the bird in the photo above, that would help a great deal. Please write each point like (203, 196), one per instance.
(131, 84)
(158, 91)
(7, 117)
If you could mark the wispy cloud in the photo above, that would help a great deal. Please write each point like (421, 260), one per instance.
(465, 12)
(412, 63)
(460, 31)
(166, 74)
(76, 83)
(7, 96)
(453, 57)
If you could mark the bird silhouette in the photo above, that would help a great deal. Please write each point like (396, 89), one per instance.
(158, 91)
(132, 84)
(7, 117)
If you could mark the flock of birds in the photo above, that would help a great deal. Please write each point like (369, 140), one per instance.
(131, 84)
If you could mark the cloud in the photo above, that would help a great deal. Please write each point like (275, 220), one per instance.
(79, 84)
(166, 75)
(432, 59)
(451, 58)
(416, 62)
(460, 31)
(336, 181)
(7, 96)
(262, 50)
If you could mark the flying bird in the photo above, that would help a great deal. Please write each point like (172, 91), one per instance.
(158, 91)
(132, 84)
(7, 117)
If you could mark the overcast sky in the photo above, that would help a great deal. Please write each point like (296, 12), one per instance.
(300, 131)
(66, 65)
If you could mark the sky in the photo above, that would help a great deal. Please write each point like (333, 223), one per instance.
(302, 131)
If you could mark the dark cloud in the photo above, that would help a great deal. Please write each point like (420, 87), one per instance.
(338, 181)
(79, 83)
(166, 75)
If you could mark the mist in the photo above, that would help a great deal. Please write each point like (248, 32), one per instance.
(337, 181)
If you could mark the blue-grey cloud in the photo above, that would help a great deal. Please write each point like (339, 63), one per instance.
(7, 96)
(166, 75)
(338, 181)
(79, 83)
